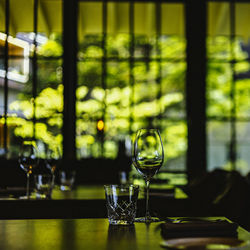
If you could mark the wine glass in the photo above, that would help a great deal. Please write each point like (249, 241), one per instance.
(147, 157)
(28, 160)
(53, 157)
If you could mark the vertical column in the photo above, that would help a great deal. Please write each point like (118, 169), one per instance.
(69, 78)
(196, 86)
(6, 67)
(104, 68)
(34, 66)
(158, 14)
(233, 139)
(131, 63)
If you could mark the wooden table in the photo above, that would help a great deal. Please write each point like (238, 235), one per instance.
(82, 202)
(77, 234)
(88, 192)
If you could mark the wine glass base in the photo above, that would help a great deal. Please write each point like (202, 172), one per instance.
(147, 220)
(25, 197)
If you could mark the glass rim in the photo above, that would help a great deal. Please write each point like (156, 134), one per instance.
(148, 129)
(43, 174)
(121, 186)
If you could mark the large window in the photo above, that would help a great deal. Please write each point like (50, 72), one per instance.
(31, 79)
(136, 66)
(131, 74)
(228, 86)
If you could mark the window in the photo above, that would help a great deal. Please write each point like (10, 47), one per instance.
(89, 83)
(228, 86)
(131, 74)
(31, 56)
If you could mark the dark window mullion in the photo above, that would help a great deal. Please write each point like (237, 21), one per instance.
(70, 13)
(104, 68)
(158, 16)
(131, 63)
(196, 86)
(34, 66)
(233, 139)
(6, 67)
(138, 59)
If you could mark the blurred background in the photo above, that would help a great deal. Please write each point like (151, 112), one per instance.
(84, 76)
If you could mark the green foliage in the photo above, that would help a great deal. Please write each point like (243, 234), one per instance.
(227, 95)
(122, 102)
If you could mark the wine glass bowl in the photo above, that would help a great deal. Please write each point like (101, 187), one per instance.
(53, 157)
(28, 160)
(147, 157)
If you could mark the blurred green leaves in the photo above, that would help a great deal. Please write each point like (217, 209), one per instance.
(140, 93)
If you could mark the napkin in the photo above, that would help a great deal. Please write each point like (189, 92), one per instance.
(220, 228)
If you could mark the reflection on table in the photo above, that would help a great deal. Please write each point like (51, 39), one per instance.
(77, 234)
(81, 202)
(93, 192)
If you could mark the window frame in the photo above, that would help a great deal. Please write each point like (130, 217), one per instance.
(196, 59)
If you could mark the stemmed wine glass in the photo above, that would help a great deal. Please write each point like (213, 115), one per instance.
(147, 157)
(28, 160)
(53, 157)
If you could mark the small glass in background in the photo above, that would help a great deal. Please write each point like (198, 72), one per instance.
(53, 160)
(123, 177)
(67, 179)
(28, 160)
(43, 186)
(121, 202)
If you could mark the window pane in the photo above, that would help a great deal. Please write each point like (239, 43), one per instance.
(219, 79)
(218, 147)
(24, 68)
(243, 147)
(218, 48)
(118, 46)
(2, 16)
(243, 98)
(172, 47)
(173, 90)
(89, 107)
(130, 93)
(242, 12)
(227, 85)
(90, 47)
(117, 102)
(218, 19)
(219, 136)
(49, 73)
(174, 136)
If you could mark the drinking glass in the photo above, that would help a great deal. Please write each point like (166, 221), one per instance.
(43, 186)
(147, 157)
(121, 202)
(28, 160)
(67, 179)
(53, 158)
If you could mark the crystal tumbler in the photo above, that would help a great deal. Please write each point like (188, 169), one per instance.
(121, 202)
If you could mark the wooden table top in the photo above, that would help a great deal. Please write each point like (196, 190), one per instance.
(95, 192)
(82, 202)
(90, 192)
(77, 234)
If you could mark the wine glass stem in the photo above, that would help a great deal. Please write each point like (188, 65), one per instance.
(147, 215)
(53, 179)
(28, 186)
